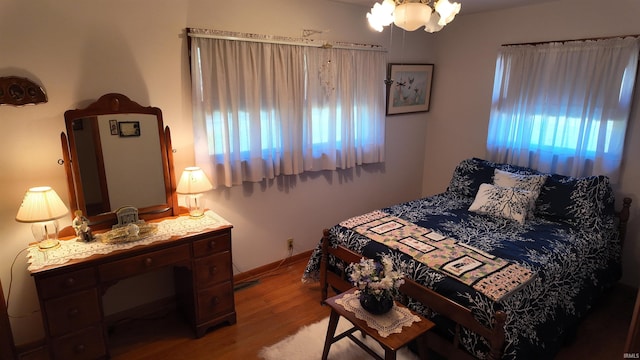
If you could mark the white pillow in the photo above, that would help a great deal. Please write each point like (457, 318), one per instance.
(502, 202)
(526, 182)
(531, 183)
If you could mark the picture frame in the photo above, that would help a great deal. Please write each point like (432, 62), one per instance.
(113, 126)
(77, 125)
(129, 128)
(409, 88)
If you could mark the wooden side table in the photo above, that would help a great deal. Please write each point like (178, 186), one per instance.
(391, 344)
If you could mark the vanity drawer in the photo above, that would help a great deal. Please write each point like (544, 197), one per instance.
(213, 269)
(121, 269)
(73, 312)
(215, 301)
(213, 244)
(81, 345)
(66, 283)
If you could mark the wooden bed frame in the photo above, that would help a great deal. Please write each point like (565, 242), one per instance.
(460, 315)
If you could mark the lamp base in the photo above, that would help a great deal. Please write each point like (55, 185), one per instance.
(195, 204)
(48, 244)
(196, 214)
(46, 234)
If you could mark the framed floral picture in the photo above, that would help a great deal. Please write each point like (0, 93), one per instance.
(409, 88)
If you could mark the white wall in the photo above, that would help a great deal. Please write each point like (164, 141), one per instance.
(79, 50)
(465, 64)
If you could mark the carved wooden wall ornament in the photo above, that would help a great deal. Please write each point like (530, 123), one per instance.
(20, 91)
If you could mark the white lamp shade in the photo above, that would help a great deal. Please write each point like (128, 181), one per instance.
(410, 16)
(193, 181)
(41, 204)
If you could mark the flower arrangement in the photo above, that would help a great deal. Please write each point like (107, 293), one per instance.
(376, 278)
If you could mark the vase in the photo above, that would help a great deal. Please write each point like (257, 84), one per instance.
(374, 305)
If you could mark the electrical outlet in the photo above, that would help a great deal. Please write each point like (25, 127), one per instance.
(290, 244)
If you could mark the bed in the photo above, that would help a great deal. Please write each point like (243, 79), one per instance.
(506, 261)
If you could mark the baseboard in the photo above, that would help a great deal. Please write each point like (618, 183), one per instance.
(253, 273)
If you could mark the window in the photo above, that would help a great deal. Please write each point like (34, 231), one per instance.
(265, 109)
(563, 107)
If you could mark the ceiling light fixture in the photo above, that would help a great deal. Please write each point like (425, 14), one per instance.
(410, 15)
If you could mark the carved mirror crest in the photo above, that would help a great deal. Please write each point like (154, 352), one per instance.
(20, 91)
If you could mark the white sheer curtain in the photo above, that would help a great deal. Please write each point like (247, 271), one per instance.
(263, 109)
(563, 107)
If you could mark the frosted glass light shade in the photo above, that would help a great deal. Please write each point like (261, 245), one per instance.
(381, 14)
(447, 11)
(433, 25)
(410, 16)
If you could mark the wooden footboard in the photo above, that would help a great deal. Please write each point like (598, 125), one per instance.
(459, 314)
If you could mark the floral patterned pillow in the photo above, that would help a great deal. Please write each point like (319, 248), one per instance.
(468, 176)
(470, 173)
(531, 183)
(508, 203)
(587, 203)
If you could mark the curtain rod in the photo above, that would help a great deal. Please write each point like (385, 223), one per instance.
(276, 39)
(569, 40)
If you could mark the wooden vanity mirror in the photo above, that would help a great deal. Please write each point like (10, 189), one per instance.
(118, 153)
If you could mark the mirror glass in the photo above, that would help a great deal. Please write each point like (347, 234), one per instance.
(127, 170)
(118, 157)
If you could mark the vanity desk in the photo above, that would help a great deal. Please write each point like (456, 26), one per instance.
(72, 278)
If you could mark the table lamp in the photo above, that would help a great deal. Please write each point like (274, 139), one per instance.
(42, 207)
(193, 183)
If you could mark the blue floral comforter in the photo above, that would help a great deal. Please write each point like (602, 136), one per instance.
(572, 264)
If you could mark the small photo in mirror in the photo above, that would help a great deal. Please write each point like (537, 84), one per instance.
(77, 125)
(113, 126)
(129, 128)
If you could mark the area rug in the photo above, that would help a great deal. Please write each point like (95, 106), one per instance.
(308, 342)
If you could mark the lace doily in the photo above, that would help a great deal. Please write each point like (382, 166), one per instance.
(386, 324)
(74, 249)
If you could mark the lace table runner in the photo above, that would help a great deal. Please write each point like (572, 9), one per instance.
(386, 324)
(74, 249)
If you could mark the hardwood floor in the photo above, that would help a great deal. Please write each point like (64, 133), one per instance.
(275, 307)
(279, 304)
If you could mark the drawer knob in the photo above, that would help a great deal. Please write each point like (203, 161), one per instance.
(79, 348)
(148, 261)
(69, 282)
(215, 301)
(212, 244)
(213, 270)
(73, 312)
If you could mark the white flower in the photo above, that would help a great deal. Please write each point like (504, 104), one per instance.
(377, 279)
